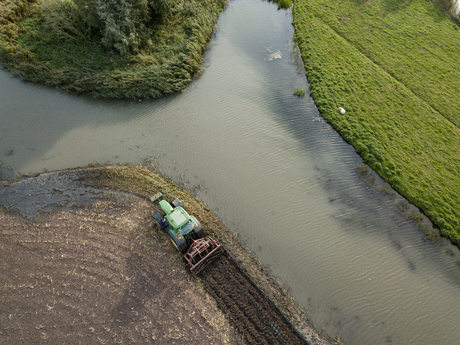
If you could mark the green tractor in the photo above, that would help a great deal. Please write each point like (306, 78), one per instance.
(186, 234)
(182, 229)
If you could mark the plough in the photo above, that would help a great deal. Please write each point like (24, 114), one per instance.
(201, 253)
(186, 234)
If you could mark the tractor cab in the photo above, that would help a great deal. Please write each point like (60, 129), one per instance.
(176, 217)
(182, 228)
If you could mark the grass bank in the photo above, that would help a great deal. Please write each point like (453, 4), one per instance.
(72, 57)
(393, 66)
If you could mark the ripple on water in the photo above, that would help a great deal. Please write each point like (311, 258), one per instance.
(275, 171)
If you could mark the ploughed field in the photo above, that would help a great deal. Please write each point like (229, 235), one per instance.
(104, 273)
(249, 311)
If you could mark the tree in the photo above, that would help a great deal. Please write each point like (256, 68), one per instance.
(121, 22)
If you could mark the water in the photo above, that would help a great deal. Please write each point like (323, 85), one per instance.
(275, 172)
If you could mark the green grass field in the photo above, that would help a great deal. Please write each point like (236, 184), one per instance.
(394, 67)
(69, 56)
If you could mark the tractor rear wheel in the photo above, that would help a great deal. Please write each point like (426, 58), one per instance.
(181, 247)
(199, 231)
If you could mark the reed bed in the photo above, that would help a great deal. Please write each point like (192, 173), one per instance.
(46, 41)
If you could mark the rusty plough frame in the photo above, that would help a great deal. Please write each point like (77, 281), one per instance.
(201, 253)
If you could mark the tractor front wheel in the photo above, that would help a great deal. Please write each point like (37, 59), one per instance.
(159, 218)
(176, 203)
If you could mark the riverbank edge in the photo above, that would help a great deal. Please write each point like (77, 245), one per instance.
(448, 222)
(142, 182)
(88, 68)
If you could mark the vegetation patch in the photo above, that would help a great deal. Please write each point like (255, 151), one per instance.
(298, 91)
(393, 66)
(112, 49)
(284, 3)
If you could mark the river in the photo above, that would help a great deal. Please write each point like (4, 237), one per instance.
(272, 169)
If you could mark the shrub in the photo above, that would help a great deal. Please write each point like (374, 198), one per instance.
(284, 3)
(445, 231)
(298, 91)
(369, 158)
(361, 149)
(426, 205)
(123, 24)
(63, 19)
(440, 223)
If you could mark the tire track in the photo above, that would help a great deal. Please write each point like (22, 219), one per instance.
(250, 311)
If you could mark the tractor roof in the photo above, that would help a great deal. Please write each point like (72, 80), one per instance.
(178, 217)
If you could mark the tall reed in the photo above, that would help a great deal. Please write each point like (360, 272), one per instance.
(50, 43)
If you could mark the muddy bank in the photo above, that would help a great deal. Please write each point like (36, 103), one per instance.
(83, 262)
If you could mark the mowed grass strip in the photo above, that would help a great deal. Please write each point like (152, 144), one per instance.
(393, 66)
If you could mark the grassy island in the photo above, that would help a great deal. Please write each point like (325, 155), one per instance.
(56, 42)
(393, 66)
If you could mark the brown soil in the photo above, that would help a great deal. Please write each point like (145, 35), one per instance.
(249, 310)
(102, 273)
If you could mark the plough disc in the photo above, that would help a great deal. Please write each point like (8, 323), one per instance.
(201, 253)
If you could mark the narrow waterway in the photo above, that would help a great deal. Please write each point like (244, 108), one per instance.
(274, 171)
